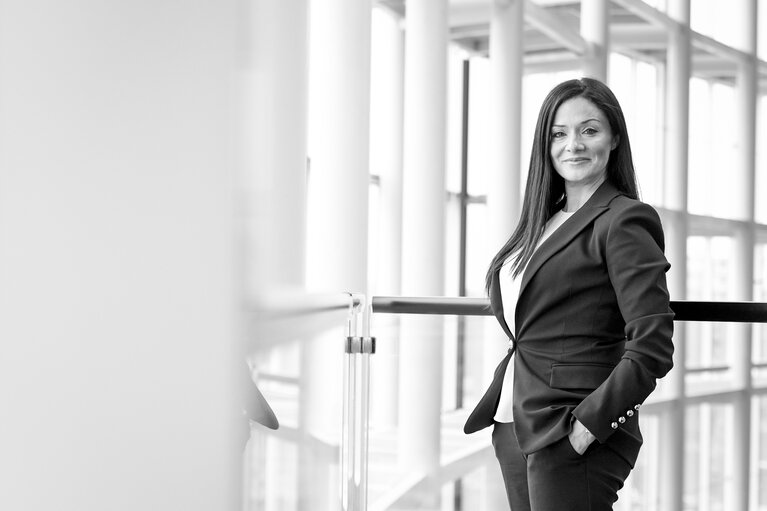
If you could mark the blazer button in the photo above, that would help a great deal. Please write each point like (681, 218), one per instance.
(622, 419)
(629, 413)
(614, 425)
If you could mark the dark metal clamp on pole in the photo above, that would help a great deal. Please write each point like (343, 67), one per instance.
(360, 345)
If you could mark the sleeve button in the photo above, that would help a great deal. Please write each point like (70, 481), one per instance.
(636, 407)
(614, 425)
(622, 419)
(629, 413)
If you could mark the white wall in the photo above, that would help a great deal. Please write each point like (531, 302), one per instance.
(118, 293)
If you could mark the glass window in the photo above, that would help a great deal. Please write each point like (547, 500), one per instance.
(646, 133)
(760, 206)
(374, 238)
(709, 274)
(759, 343)
(715, 19)
(708, 457)
(712, 149)
(635, 84)
(478, 254)
(480, 126)
(759, 450)
(452, 244)
(640, 491)
(454, 148)
(761, 28)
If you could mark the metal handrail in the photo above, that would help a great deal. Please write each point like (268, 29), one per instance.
(298, 303)
(733, 312)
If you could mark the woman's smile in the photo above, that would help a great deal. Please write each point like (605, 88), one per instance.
(575, 161)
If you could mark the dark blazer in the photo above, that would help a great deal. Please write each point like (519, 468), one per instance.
(593, 328)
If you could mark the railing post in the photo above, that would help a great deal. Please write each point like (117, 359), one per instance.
(358, 347)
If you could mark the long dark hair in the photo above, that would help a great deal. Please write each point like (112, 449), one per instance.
(545, 189)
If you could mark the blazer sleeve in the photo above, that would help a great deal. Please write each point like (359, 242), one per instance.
(637, 267)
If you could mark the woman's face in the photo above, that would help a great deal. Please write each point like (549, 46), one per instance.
(581, 141)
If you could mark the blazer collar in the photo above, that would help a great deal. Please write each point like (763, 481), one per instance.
(595, 206)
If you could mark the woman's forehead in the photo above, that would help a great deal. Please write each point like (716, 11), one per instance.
(578, 109)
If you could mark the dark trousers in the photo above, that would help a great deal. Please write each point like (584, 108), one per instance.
(557, 478)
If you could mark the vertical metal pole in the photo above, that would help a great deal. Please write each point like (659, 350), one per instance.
(464, 198)
(347, 425)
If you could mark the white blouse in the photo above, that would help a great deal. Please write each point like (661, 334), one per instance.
(510, 287)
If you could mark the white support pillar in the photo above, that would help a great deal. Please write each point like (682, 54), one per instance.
(745, 176)
(386, 157)
(594, 29)
(274, 148)
(504, 179)
(746, 106)
(504, 182)
(339, 126)
(677, 71)
(676, 144)
(120, 302)
(423, 243)
(337, 224)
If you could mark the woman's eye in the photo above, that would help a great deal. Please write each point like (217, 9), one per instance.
(557, 134)
(589, 131)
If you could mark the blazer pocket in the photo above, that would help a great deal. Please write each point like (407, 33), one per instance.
(579, 376)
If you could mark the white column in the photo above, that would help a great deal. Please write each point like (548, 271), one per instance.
(386, 156)
(337, 223)
(504, 182)
(746, 106)
(594, 29)
(676, 143)
(745, 174)
(677, 107)
(423, 243)
(339, 126)
(274, 145)
(120, 299)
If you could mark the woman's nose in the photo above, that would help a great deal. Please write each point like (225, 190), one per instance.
(575, 144)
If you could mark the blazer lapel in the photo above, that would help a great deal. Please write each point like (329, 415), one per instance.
(595, 206)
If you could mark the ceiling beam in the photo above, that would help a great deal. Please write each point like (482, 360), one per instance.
(554, 27)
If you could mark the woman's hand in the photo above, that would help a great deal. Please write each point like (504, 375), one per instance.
(580, 437)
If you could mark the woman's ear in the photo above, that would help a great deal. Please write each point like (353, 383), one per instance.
(616, 140)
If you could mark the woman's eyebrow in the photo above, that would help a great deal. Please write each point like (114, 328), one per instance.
(593, 119)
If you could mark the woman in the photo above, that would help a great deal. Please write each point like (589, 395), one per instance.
(580, 290)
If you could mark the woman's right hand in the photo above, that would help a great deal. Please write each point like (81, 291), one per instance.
(580, 437)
